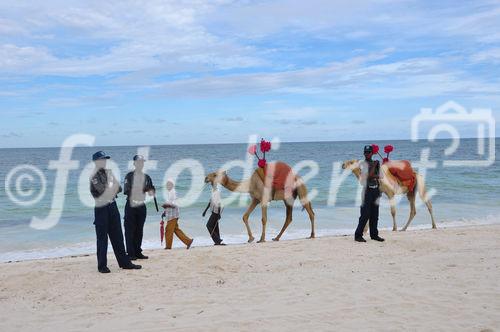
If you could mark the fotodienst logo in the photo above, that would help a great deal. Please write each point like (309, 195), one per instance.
(449, 119)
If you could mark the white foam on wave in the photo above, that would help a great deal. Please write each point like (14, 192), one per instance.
(88, 248)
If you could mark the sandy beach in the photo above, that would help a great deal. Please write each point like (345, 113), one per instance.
(447, 279)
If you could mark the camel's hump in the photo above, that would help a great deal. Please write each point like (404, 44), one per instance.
(279, 173)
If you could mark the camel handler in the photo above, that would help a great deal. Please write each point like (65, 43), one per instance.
(215, 206)
(370, 177)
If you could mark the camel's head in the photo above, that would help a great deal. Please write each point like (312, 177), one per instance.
(350, 164)
(353, 166)
(215, 177)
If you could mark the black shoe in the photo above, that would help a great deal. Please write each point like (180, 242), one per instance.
(141, 256)
(220, 244)
(104, 270)
(132, 258)
(378, 238)
(359, 239)
(132, 267)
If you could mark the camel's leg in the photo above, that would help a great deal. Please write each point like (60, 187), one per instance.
(247, 214)
(288, 221)
(429, 207)
(413, 210)
(264, 222)
(423, 195)
(311, 214)
(392, 202)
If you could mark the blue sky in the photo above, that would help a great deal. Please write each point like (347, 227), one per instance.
(173, 72)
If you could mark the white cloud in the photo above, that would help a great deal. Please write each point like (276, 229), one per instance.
(319, 49)
(487, 56)
(309, 80)
(166, 37)
(353, 78)
(482, 24)
(123, 36)
(336, 19)
(10, 27)
(16, 58)
(291, 114)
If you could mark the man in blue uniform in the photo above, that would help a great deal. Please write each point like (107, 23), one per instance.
(370, 176)
(137, 184)
(104, 187)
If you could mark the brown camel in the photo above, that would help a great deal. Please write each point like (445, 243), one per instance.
(263, 195)
(391, 187)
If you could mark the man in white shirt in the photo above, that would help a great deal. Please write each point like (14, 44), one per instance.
(215, 206)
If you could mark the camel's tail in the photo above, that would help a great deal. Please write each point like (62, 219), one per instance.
(306, 203)
(302, 193)
(420, 188)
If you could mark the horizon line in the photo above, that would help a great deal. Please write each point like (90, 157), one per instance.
(232, 143)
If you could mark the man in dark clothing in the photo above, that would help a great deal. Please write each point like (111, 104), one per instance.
(137, 184)
(213, 222)
(104, 187)
(370, 176)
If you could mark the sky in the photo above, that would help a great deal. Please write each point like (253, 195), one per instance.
(190, 72)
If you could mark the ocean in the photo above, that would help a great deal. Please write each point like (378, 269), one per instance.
(462, 195)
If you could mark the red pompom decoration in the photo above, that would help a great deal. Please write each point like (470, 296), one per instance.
(376, 149)
(388, 149)
(265, 146)
(253, 149)
(262, 163)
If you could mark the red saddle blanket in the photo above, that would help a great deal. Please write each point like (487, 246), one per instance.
(402, 170)
(279, 175)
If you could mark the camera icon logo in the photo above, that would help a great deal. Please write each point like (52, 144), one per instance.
(448, 118)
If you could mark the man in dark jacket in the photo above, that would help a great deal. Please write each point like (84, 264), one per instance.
(370, 176)
(137, 184)
(104, 187)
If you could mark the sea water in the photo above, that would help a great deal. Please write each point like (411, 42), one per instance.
(462, 195)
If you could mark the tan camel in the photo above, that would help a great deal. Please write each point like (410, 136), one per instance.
(263, 195)
(391, 187)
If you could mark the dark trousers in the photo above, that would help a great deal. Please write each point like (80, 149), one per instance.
(213, 227)
(108, 224)
(135, 217)
(369, 211)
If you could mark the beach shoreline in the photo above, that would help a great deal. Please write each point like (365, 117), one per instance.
(420, 279)
(88, 248)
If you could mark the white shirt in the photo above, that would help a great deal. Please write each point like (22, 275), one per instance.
(215, 202)
(172, 212)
